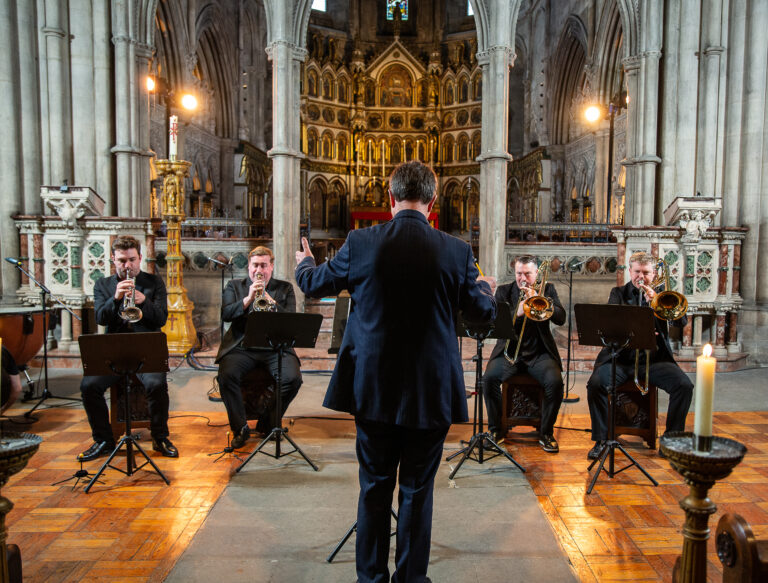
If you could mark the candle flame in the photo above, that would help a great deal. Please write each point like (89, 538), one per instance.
(707, 350)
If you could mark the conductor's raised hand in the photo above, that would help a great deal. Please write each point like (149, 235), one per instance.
(305, 252)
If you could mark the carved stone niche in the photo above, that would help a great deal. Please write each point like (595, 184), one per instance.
(695, 214)
(73, 202)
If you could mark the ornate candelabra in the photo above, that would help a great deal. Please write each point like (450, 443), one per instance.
(700, 470)
(15, 451)
(179, 328)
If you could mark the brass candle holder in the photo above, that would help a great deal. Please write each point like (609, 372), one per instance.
(15, 451)
(700, 470)
(179, 328)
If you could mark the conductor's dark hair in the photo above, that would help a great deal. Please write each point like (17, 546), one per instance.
(413, 181)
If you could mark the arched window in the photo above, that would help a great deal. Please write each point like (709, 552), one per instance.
(341, 144)
(391, 4)
(312, 143)
(327, 146)
(327, 86)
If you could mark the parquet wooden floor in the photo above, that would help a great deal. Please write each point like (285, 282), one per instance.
(134, 528)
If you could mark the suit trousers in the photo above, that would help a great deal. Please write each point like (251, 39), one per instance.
(543, 369)
(665, 375)
(381, 448)
(239, 362)
(155, 387)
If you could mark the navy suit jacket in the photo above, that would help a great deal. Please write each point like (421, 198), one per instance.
(399, 360)
(154, 310)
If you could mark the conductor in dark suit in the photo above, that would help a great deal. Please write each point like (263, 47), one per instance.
(398, 369)
(538, 355)
(109, 293)
(663, 372)
(235, 360)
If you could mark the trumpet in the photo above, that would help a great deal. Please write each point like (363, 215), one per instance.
(667, 305)
(261, 303)
(537, 308)
(128, 310)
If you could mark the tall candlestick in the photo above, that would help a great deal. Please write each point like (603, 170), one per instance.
(370, 158)
(705, 393)
(382, 158)
(173, 134)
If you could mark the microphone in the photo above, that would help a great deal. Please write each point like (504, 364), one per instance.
(217, 262)
(13, 261)
(572, 267)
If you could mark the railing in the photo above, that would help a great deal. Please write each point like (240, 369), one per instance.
(223, 228)
(560, 232)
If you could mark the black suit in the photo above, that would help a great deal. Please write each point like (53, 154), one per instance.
(399, 373)
(154, 311)
(545, 365)
(663, 372)
(235, 361)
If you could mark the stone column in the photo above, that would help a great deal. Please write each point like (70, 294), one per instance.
(81, 65)
(733, 332)
(65, 342)
(495, 63)
(122, 149)
(102, 106)
(722, 271)
(286, 154)
(10, 155)
(711, 97)
(720, 350)
(54, 68)
(687, 348)
(29, 89)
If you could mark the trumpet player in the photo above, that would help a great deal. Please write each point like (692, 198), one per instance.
(257, 291)
(663, 371)
(537, 355)
(145, 293)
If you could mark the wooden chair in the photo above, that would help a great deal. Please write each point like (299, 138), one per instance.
(139, 409)
(636, 414)
(521, 400)
(744, 558)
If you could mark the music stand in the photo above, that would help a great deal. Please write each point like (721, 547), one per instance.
(280, 331)
(482, 440)
(616, 327)
(124, 355)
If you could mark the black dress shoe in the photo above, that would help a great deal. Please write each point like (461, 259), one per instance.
(97, 449)
(165, 447)
(594, 453)
(548, 443)
(239, 440)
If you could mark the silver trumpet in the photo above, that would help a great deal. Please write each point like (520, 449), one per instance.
(261, 303)
(129, 311)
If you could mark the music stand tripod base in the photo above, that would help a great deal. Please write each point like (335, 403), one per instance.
(139, 351)
(280, 331)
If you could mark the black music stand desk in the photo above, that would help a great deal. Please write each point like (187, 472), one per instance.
(616, 327)
(279, 331)
(124, 355)
(482, 440)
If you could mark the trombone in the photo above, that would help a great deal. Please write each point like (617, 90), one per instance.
(667, 305)
(537, 308)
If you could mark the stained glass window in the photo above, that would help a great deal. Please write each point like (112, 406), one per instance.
(391, 9)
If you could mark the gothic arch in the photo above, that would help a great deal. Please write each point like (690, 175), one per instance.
(608, 46)
(567, 75)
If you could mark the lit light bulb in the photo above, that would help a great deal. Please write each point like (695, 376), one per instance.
(150, 84)
(189, 101)
(592, 113)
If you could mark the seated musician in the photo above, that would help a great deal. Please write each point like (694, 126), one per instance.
(235, 361)
(109, 294)
(663, 371)
(10, 387)
(538, 355)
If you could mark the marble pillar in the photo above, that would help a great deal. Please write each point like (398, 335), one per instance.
(102, 106)
(29, 88)
(122, 149)
(495, 63)
(81, 66)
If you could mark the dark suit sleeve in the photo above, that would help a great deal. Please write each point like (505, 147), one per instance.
(154, 310)
(287, 302)
(105, 306)
(558, 316)
(328, 279)
(231, 304)
(615, 297)
(476, 301)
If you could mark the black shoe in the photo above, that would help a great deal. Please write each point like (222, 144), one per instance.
(239, 440)
(594, 453)
(548, 443)
(165, 447)
(97, 449)
(498, 436)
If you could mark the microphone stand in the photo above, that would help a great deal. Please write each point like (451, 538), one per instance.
(567, 398)
(224, 267)
(44, 291)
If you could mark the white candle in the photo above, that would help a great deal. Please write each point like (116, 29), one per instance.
(705, 392)
(370, 157)
(173, 134)
(382, 158)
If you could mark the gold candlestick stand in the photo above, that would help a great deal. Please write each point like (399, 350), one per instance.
(15, 451)
(700, 470)
(179, 328)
